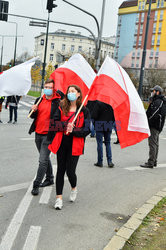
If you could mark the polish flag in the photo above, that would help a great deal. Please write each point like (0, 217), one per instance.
(113, 86)
(74, 71)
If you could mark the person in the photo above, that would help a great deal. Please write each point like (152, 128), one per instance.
(103, 117)
(2, 98)
(156, 119)
(12, 101)
(43, 115)
(69, 140)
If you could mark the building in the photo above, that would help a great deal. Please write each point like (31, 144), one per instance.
(62, 45)
(131, 33)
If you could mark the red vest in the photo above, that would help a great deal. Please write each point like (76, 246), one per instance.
(78, 142)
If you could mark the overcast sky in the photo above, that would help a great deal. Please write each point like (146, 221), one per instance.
(63, 13)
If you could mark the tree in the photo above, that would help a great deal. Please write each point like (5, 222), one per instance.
(25, 56)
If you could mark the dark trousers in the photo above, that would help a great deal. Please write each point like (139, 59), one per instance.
(11, 110)
(153, 141)
(107, 141)
(45, 166)
(66, 163)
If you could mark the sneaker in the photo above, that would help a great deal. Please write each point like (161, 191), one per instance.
(1, 121)
(73, 195)
(46, 183)
(58, 204)
(116, 142)
(98, 165)
(110, 165)
(9, 122)
(35, 191)
(146, 165)
(14, 122)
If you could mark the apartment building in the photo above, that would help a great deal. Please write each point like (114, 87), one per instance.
(132, 17)
(62, 44)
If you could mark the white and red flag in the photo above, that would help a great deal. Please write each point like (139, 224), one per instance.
(74, 71)
(113, 86)
(17, 80)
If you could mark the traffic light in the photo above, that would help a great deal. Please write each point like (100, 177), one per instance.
(51, 5)
(4, 5)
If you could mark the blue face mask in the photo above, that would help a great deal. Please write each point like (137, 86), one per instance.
(48, 92)
(71, 97)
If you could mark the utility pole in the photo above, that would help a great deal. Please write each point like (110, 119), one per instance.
(100, 36)
(144, 51)
(1, 54)
(15, 46)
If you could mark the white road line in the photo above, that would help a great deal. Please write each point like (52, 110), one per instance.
(15, 224)
(26, 104)
(27, 139)
(32, 238)
(44, 199)
(140, 168)
(16, 187)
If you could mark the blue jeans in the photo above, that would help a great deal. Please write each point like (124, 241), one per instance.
(92, 129)
(107, 141)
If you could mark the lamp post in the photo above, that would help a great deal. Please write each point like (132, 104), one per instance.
(15, 47)
(144, 51)
(1, 54)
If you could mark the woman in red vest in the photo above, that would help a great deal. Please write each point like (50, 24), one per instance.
(69, 140)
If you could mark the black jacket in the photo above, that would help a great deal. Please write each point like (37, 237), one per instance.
(101, 114)
(155, 118)
(13, 98)
(54, 107)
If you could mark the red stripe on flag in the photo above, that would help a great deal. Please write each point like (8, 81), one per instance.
(106, 90)
(64, 77)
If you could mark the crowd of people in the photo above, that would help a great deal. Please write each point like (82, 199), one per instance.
(61, 124)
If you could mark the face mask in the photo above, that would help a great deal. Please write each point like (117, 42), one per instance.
(153, 94)
(71, 97)
(48, 92)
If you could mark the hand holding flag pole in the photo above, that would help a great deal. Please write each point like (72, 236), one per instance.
(36, 105)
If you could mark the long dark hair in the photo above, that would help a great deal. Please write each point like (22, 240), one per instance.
(65, 103)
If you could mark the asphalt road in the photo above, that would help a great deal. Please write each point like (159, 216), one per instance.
(106, 197)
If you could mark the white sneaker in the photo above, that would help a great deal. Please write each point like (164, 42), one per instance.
(58, 204)
(73, 195)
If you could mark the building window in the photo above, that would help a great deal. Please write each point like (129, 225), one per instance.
(160, 27)
(79, 48)
(105, 53)
(132, 63)
(158, 3)
(52, 45)
(150, 63)
(133, 54)
(161, 15)
(140, 41)
(42, 42)
(73, 39)
(119, 20)
(158, 40)
(137, 18)
(118, 31)
(141, 28)
(143, 5)
(153, 39)
(142, 17)
(137, 63)
(154, 28)
(136, 29)
(80, 40)
(139, 6)
(151, 52)
(72, 48)
(138, 53)
(156, 63)
(157, 52)
(64, 38)
(51, 57)
(155, 17)
(90, 50)
(162, 3)
(63, 47)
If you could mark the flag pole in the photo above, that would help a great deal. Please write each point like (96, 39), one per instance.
(35, 104)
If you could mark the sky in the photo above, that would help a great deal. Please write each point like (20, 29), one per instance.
(63, 13)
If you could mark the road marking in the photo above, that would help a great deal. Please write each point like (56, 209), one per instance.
(27, 139)
(32, 238)
(163, 138)
(12, 188)
(15, 224)
(26, 104)
(140, 168)
(44, 199)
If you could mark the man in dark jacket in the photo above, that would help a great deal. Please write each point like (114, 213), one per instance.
(103, 117)
(12, 101)
(156, 119)
(43, 115)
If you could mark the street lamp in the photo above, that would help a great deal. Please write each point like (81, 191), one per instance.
(99, 29)
(15, 47)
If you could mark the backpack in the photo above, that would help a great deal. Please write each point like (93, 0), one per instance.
(163, 108)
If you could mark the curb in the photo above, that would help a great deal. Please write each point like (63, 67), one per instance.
(118, 241)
